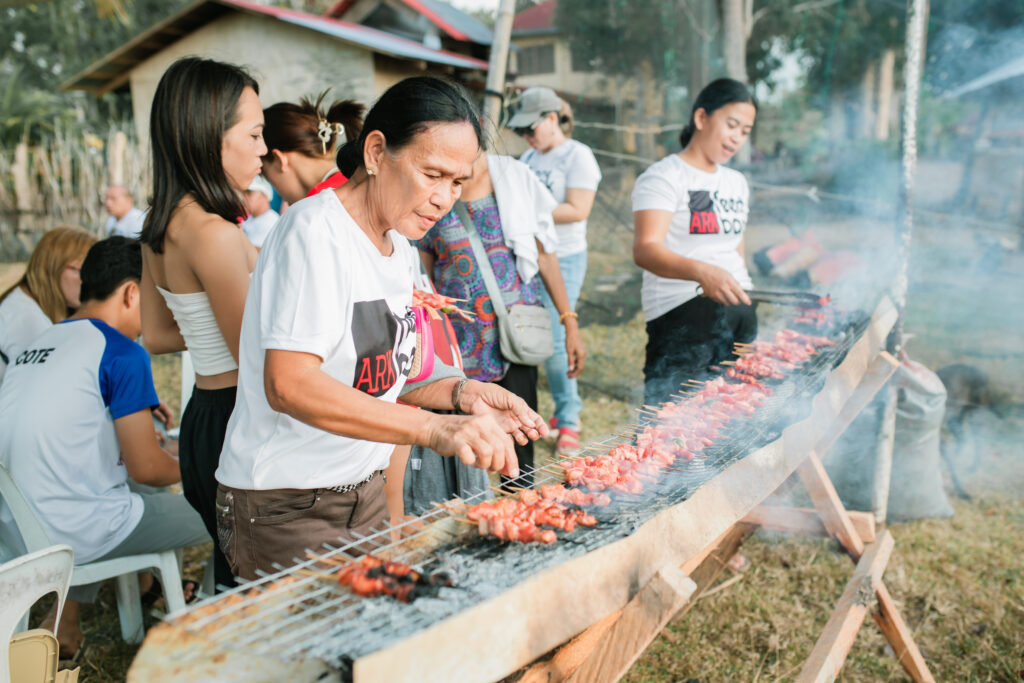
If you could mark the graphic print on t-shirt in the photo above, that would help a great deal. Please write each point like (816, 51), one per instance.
(378, 335)
(707, 213)
(703, 220)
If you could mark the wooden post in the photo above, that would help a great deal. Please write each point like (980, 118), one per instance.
(641, 620)
(830, 652)
(498, 64)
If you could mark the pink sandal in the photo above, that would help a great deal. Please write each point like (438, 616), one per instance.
(568, 440)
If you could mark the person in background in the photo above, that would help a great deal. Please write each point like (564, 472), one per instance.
(511, 212)
(75, 425)
(125, 219)
(328, 340)
(690, 214)
(207, 139)
(46, 294)
(569, 170)
(261, 218)
(302, 143)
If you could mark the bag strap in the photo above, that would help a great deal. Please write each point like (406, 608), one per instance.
(484, 263)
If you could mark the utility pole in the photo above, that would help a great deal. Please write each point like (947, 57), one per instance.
(494, 93)
(917, 11)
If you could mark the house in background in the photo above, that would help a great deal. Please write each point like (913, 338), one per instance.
(544, 56)
(292, 54)
(431, 22)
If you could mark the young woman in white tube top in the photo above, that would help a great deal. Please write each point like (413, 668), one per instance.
(207, 138)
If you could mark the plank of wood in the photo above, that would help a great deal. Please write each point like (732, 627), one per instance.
(826, 502)
(642, 619)
(896, 631)
(568, 658)
(834, 645)
(703, 569)
(807, 521)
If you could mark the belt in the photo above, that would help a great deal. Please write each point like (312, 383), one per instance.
(358, 485)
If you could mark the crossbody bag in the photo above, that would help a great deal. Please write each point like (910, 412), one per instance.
(524, 330)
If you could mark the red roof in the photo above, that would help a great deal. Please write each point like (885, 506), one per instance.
(536, 18)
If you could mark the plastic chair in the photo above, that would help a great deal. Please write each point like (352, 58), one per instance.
(188, 383)
(129, 604)
(33, 655)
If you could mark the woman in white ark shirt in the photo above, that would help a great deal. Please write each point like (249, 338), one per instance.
(690, 213)
(328, 340)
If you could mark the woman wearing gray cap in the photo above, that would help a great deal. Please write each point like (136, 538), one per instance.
(570, 171)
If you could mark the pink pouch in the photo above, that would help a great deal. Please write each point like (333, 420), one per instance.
(423, 358)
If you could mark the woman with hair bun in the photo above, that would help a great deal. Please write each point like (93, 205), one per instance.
(303, 141)
(690, 213)
(328, 341)
(46, 294)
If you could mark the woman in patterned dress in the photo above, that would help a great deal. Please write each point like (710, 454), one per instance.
(511, 212)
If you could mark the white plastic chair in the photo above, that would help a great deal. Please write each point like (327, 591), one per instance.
(23, 581)
(188, 383)
(129, 604)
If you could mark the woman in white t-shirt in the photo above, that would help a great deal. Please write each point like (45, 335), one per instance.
(569, 170)
(328, 339)
(46, 294)
(690, 213)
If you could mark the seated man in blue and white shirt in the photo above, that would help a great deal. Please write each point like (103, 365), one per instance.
(76, 424)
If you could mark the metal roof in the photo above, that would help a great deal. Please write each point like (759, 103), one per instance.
(112, 71)
(454, 22)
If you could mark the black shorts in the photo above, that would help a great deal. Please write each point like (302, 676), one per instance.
(685, 342)
(203, 426)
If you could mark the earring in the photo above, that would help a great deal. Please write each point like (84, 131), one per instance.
(369, 171)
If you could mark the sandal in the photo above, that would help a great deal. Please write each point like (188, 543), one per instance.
(568, 440)
(189, 588)
(69, 662)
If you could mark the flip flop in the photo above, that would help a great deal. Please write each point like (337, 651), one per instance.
(191, 590)
(568, 440)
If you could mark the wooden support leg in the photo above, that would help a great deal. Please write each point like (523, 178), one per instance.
(827, 503)
(830, 652)
(703, 569)
(807, 521)
(642, 619)
(899, 636)
(837, 521)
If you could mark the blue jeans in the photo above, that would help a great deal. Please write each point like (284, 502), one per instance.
(563, 389)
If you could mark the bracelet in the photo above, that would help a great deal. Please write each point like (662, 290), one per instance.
(567, 314)
(457, 393)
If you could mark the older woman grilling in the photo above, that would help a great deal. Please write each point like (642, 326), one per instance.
(328, 340)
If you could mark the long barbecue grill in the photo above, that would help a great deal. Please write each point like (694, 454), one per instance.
(511, 602)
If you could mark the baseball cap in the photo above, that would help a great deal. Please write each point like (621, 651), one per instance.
(532, 103)
(260, 184)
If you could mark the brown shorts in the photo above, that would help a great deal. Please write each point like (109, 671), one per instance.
(258, 529)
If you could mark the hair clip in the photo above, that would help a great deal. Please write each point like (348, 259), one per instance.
(325, 130)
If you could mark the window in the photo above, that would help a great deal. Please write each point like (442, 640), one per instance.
(579, 61)
(536, 59)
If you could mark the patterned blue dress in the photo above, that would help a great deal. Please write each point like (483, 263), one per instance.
(456, 275)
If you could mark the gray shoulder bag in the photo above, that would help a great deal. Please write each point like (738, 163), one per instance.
(524, 330)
